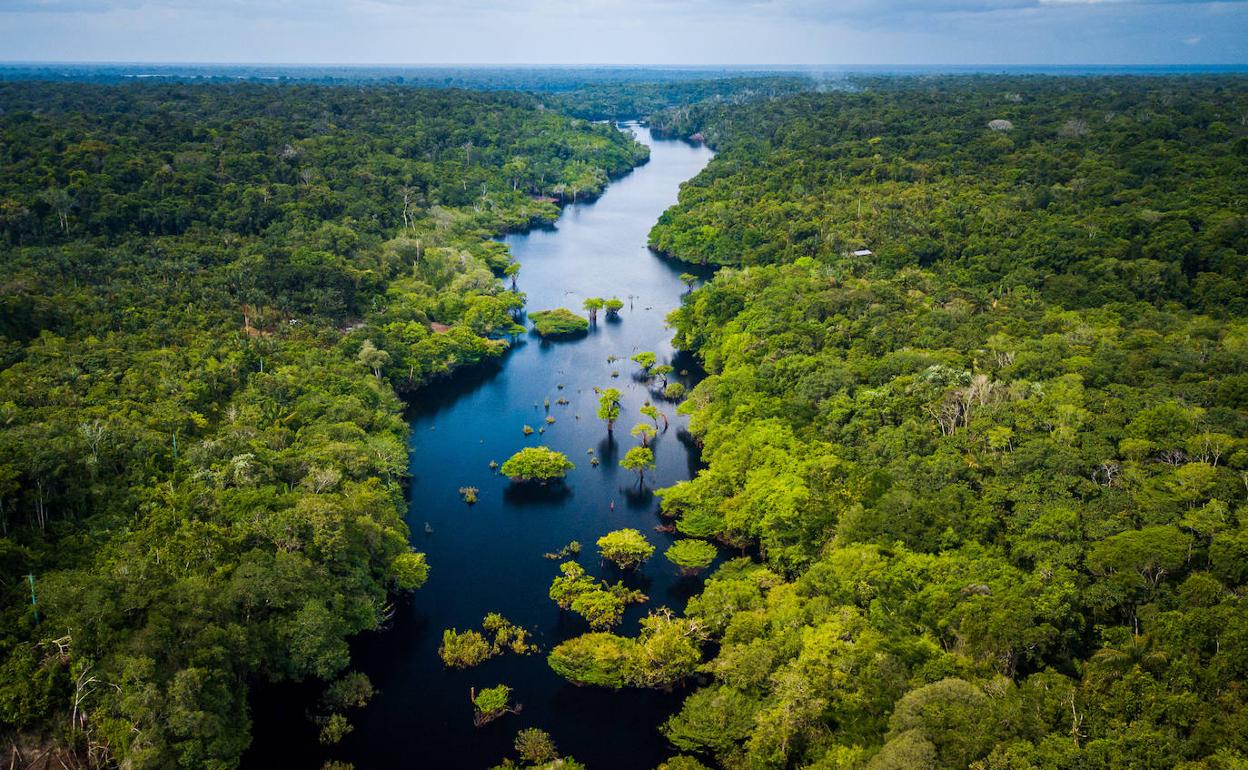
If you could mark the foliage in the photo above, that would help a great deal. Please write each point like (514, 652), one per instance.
(559, 322)
(691, 556)
(535, 746)
(537, 463)
(212, 293)
(667, 651)
(609, 406)
(626, 548)
(490, 703)
(464, 650)
(600, 603)
(994, 471)
(638, 459)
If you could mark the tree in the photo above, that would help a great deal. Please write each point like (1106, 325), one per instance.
(598, 658)
(613, 306)
(372, 357)
(59, 200)
(652, 411)
(593, 305)
(645, 431)
(627, 548)
(691, 556)
(512, 271)
(645, 359)
(464, 650)
(409, 570)
(688, 279)
(537, 463)
(559, 322)
(639, 459)
(491, 703)
(535, 746)
(600, 608)
(662, 371)
(609, 406)
(668, 651)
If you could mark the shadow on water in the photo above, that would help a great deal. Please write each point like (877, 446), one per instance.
(489, 557)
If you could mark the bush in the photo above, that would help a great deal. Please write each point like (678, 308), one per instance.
(559, 322)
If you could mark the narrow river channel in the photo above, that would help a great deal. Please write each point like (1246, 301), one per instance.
(489, 557)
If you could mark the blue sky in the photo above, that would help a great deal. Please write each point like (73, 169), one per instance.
(811, 32)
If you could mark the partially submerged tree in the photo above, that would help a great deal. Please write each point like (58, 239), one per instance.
(646, 360)
(609, 406)
(644, 431)
(627, 548)
(652, 411)
(559, 322)
(492, 703)
(613, 306)
(464, 650)
(639, 459)
(592, 305)
(537, 463)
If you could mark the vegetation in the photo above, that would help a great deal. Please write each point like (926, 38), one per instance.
(995, 469)
(537, 463)
(645, 359)
(601, 604)
(638, 459)
(667, 651)
(571, 550)
(592, 306)
(491, 703)
(212, 293)
(614, 306)
(464, 650)
(559, 322)
(537, 751)
(644, 431)
(470, 648)
(626, 548)
(690, 555)
(609, 406)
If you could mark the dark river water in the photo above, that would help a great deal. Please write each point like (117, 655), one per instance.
(489, 557)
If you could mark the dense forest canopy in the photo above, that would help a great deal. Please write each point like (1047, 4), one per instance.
(210, 296)
(997, 468)
(976, 412)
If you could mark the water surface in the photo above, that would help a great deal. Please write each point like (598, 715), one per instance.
(489, 557)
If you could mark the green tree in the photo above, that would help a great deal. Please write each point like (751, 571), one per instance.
(639, 459)
(593, 305)
(537, 464)
(691, 556)
(373, 358)
(609, 406)
(626, 548)
(645, 359)
(464, 650)
(645, 432)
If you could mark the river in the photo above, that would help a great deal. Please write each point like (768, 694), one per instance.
(489, 557)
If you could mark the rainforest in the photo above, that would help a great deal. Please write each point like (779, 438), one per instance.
(624, 420)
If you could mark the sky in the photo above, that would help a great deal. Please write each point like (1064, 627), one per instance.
(655, 32)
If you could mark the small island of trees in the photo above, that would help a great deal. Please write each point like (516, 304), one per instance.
(559, 322)
(537, 463)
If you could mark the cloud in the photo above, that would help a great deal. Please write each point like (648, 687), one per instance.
(629, 31)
